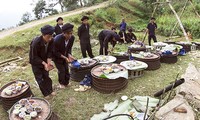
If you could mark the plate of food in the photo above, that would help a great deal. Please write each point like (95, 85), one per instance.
(134, 65)
(14, 88)
(105, 59)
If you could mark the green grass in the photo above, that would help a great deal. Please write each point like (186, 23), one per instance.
(82, 105)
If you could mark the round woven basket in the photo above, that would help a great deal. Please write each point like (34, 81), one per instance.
(46, 113)
(79, 74)
(135, 50)
(169, 59)
(153, 64)
(9, 101)
(187, 47)
(121, 58)
(107, 86)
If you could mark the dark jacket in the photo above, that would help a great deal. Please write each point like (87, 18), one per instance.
(60, 49)
(37, 53)
(84, 33)
(107, 36)
(58, 30)
(131, 36)
(152, 27)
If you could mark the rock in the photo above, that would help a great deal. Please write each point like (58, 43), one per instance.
(167, 111)
(191, 88)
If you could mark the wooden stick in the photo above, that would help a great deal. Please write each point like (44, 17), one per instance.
(177, 21)
(10, 60)
(180, 23)
(194, 8)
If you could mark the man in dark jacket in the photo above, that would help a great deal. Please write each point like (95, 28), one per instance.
(131, 36)
(106, 36)
(62, 51)
(151, 27)
(84, 36)
(40, 56)
(58, 27)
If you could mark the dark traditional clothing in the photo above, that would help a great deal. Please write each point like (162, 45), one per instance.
(123, 36)
(84, 36)
(58, 29)
(106, 36)
(39, 52)
(131, 37)
(63, 47)
(151, 31)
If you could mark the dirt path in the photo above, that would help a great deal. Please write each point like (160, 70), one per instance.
(51, 18)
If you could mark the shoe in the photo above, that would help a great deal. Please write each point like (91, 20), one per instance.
(53, 93)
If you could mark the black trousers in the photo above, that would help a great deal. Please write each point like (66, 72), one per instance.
(86, 47)
(63, 73)
(151, 37)
(103, 49)
(43, 80)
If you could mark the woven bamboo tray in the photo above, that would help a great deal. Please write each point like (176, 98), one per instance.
(9, 101)
(79, 74)
(169, 58)
(45, 114)
(107, 86)
(153, 63)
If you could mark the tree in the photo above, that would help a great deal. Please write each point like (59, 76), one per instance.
(26, 17)
(39, 9)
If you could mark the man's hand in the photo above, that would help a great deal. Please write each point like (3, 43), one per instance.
(50, 64)
(45, 66)
(70, 58)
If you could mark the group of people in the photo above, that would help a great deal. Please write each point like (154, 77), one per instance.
(55, 45)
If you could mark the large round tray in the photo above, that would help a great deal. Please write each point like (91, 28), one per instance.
(111, 59)
(9, 101)
(79, 74)
(46, 113)
(153, 63)
(169, 58)
(134, 50)
(105, 85)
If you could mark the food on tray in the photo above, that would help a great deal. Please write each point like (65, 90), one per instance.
(38, 109)
(107, 69)
(146, 54)
(85, 61)
(27, 109)
(14, 88)
(103, 58)
(33, 114)
(133, 63)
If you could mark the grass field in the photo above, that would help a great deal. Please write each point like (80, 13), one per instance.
(71, 105)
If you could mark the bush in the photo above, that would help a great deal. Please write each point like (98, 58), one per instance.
(112, 14)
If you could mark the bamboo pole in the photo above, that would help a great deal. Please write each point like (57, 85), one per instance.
(179, 21)
(194, 8)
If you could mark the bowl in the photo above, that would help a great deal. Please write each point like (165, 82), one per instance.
(124, 97)
(38, 109)
(16, 111)
(17, 106)
(22, 114)
(33, 114)
(27, 117)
